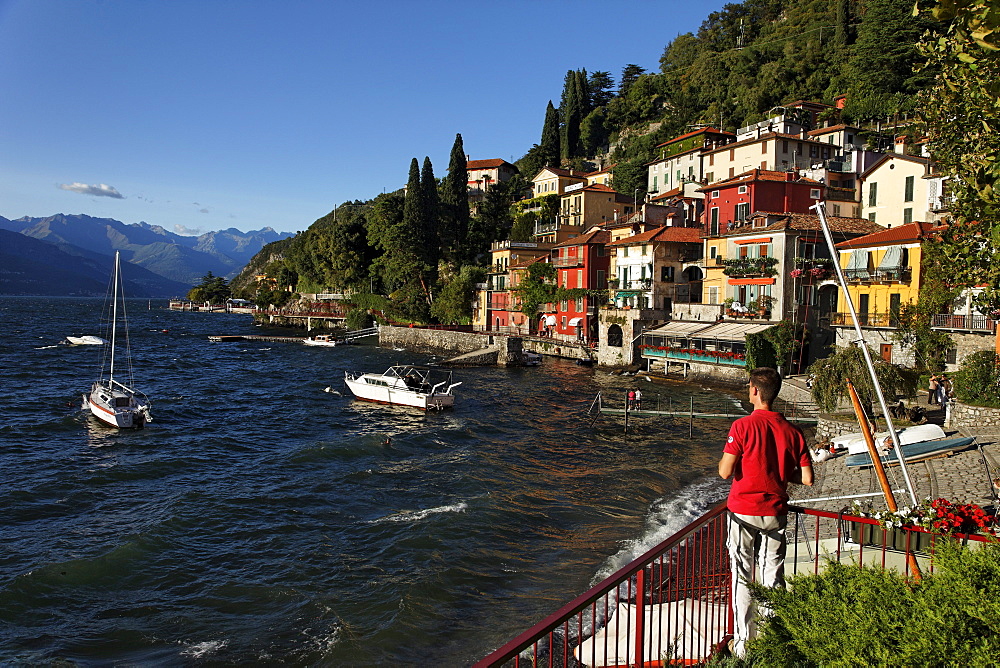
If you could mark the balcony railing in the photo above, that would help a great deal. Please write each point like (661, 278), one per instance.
(970, 323)
(704, 356)
(866, 320)
(901, 275)
(673, 603)
(571, 261)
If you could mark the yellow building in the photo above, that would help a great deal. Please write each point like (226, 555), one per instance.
(883, 273)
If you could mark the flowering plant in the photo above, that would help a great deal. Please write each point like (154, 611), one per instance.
(795, 273)
(937, 516)
(818, 272)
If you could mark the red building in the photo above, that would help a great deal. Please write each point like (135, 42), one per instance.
(729, 203)
(581, 263)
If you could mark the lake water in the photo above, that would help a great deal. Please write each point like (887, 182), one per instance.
(259, 519)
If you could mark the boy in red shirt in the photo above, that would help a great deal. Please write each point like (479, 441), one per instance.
(763, 454)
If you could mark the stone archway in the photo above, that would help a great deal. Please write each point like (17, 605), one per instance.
(615, 336)
(693, 276)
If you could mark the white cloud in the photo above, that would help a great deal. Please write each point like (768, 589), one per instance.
(100, 190)
(187, 231)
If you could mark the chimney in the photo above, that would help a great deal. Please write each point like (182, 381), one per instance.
(791, 175)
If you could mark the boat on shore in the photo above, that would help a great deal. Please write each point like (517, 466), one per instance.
(111, 401)
(87, 340)
(322, 340)
(405, 385)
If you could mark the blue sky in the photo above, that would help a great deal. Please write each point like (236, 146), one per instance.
(201, 115)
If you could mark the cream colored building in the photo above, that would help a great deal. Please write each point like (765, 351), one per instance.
(896, 190)
(768, 151)
(554, 181)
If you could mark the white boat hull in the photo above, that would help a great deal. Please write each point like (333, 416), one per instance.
(119, 407)
(86, 340)
(403, 386)
(321, 343)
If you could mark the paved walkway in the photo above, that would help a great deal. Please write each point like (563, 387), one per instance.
(961, 477)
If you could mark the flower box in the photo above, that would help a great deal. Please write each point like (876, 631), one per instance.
(894, 539)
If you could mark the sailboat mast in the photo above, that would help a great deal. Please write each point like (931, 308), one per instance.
(114, 319)
(820, 208)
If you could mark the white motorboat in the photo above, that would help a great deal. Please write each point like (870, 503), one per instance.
(324, 340)
(111, 401)
(404, 386)
(86, 340)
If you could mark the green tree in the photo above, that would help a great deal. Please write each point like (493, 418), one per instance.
(548, 147)
(830, 376)
(600, 85)
(961, 117)
(415, 226)
(455, 201)
(537, 287)
(212, 289)
(630, 74)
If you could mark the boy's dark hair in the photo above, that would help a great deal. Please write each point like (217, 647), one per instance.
(768, 383)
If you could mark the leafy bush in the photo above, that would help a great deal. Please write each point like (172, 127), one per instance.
(830, 376)
(853, 616)
(977, 380)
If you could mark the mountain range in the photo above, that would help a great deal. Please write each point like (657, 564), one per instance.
(173, 263)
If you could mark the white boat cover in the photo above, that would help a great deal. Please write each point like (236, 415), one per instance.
(689, 627)
(855, 443)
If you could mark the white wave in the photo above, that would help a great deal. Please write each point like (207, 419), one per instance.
(666, 517)
(417, 515)
(206, 648)
(46, 347)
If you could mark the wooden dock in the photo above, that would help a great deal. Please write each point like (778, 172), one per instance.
(256, 337)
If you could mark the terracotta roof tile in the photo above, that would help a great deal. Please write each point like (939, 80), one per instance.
(693, 133)
(807, 222)
(488, 163)
(904, 234)
(593, 237)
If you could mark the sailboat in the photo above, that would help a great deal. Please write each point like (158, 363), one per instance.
(110, 400)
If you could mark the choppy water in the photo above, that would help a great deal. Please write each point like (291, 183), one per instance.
(259, 519)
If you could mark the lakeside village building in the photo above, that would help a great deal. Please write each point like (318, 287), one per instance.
(725, 244)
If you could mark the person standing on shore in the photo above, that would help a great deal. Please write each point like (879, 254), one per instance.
(638, 400)
(764, 452)
(932, 388)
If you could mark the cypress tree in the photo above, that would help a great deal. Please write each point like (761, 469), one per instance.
(413, 209)
(455, 197)
(570, 110)
(431, 233)
(548, 148)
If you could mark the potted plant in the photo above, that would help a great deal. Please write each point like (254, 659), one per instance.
(764, 303)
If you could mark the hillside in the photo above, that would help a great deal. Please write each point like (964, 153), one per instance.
(32, 267)
(172, 256)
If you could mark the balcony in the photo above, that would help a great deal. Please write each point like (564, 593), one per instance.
(898, 275)
(966, 323)
(746, 267)
(571, 261)
(722, 357)
(886, 320)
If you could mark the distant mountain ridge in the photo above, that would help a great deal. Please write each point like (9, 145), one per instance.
(173, 256)
(32, 267)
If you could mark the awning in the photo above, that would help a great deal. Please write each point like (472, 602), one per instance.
(857, 266)
(892, 260)
(731, 331)
(679, 328)
(550, 320)
(575, 322)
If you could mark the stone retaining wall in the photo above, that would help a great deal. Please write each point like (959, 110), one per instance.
(416, 338)
(973, 418)
(828, 429)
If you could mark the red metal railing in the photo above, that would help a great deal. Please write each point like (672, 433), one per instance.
(673, 602)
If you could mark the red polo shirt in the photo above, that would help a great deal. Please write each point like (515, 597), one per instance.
(771, 450)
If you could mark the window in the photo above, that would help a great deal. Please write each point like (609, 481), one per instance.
(713, 251)
(713, 295)
(653, 189)
(907, 216)
(715, 222)
(872, 194)
(763, 147)
(784, 146)
(742, 210)
(645, 249)
(894, 305)
(908, 191)
(715, 194)
(562, 307)
(667, 274)
(836, 209)
(600, 279)
(871, 217)
(951, 356)
(579, 305)
(600, 250)
(826, 153)
(709, 177)
(579, 278)
(813, 152)
(742, 190)
(814, 193)
(711, 159)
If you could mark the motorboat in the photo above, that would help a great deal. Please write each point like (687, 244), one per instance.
(531, 358)
(86, 340)
(111, 401)
(323, 340)
(405, 385)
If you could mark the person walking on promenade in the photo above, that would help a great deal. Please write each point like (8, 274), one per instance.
(631, 400)
(942, 390)
(932, 388)
(764, 452)
(638, 400)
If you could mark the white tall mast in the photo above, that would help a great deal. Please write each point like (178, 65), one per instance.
(114, 322)
(820, 208)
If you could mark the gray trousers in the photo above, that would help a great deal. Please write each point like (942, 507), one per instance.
(756, 545)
